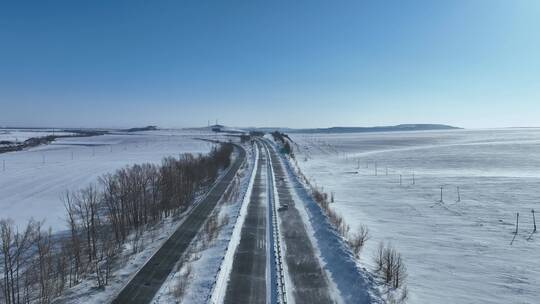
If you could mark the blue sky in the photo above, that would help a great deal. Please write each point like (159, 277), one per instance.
(471, 63)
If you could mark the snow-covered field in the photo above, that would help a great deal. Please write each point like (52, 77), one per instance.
(33, 181)
(456, 252)
(20, 135)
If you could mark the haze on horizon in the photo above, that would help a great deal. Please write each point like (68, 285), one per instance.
(297, 64)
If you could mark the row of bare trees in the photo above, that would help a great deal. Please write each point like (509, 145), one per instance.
(28, 264)
(38, 266)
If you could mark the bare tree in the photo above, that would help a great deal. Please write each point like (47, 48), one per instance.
(359, 239)
(44, 263)
(14, 252)
(390, 266)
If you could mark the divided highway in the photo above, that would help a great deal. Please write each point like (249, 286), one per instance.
(252, 274)
(143, 287)
(255, 271)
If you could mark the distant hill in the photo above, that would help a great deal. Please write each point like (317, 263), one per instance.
(404, 127)
(147, 128)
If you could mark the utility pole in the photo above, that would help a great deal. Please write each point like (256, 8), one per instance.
(517, 223)
(413, 180)
(441, 195)
(534, 221)
(458, 195)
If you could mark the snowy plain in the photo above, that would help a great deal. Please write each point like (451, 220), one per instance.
(34, 180)
(20, 135)
(455, 251)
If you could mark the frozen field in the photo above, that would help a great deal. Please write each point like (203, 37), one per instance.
(20, 135)
(34, 180)
(456, 252)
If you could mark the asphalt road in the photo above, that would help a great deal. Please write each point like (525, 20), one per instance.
(143, 287)
(310, 284)
(247, 281)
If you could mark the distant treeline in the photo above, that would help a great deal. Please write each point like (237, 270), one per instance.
(38, 266)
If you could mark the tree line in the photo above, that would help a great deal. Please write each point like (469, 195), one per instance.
(37, 265)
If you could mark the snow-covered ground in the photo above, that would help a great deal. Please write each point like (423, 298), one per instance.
(455, 252)
(20, 135)
(33, 181)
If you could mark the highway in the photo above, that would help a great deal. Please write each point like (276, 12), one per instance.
(254, 274)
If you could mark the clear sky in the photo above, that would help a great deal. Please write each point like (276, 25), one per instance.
(471, 63)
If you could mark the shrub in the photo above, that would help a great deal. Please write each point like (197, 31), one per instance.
(182, 283)
(390, 266)
(359, 239)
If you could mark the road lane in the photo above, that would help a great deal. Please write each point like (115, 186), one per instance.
(247, 281)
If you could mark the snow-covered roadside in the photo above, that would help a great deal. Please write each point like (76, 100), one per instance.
(352, 283)
(137, 251)
(130, 262)
(204, 269)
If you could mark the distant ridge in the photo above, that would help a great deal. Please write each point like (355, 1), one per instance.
(403, 127)
(147, 128)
